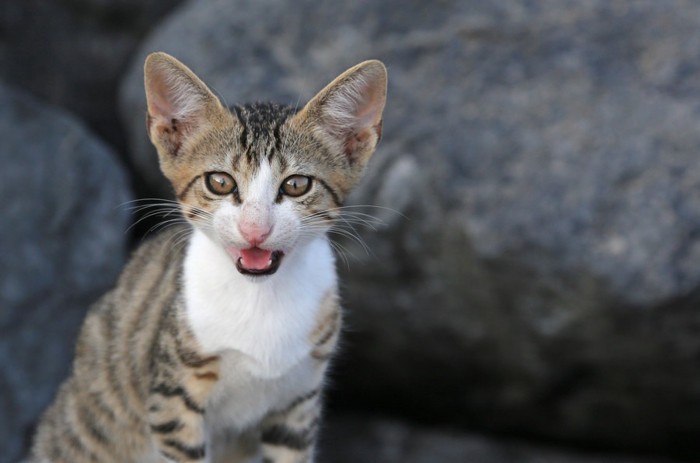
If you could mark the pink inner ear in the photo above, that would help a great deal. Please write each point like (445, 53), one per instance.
(373, 101)
(366, 113)
(353, 113)
(160, 99)
(165, 123)
(352, 110)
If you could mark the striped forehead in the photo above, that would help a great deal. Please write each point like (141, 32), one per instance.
(260, 136)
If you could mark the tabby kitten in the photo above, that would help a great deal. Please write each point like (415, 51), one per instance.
(216, 351)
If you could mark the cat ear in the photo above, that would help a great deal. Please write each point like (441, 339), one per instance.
(179, 103)
(347, 114)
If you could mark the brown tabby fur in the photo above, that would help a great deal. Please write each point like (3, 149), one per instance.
(141, 382)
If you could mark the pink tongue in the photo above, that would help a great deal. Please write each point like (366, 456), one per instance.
(255, 258)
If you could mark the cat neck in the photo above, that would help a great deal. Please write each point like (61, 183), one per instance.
(267, 319)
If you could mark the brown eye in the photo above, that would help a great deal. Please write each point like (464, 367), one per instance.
(296, 185)
(220, 183)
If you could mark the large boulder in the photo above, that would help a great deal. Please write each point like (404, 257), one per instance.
(62, 244)
(73, 53)
(538, 270)
(361, 438)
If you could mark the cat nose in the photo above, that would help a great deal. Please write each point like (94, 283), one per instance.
(254, 234)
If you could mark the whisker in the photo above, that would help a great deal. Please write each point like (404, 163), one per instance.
(159, 211)
(170, 214)
(162, 225)
(180, 239)
(352, 236)
(146, 202)
(340, 252)
(340, 224)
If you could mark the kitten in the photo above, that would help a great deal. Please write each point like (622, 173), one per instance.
(216, 351)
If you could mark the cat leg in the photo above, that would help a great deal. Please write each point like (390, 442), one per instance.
(176, 406)
(178, 432)
(289, 436)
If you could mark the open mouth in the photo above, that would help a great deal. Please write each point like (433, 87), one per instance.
(256, 261)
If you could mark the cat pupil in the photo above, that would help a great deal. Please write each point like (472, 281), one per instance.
(220, 183)
(296, 185)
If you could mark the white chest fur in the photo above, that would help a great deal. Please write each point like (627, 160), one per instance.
(259, 326)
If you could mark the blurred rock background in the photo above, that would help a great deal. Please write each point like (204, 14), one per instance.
(533, 292)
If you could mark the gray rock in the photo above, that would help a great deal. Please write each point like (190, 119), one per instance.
(62, 243)
(359, 438)
(539, 273)
(73, 53)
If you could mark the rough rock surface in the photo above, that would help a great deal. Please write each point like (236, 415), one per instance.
(358, 438)
(540, 272)
(72, 53)
(62, 243)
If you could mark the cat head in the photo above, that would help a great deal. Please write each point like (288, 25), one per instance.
(262, 180)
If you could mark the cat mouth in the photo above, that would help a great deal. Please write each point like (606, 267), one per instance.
(256, 261)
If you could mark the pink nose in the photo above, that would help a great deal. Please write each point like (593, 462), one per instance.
(253, 233)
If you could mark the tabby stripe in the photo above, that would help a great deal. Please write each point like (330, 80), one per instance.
(162, 355)
(122, 402)
(278, 138)
(168, 455)
(334, 194)
(150, 329)
(269, 151)
(121, 395)
(88, 422)
(167, 323)
(112, 353)
(130, 279)
(243, 140)
(321, 355)
(77, 445)
(244, 137)
(104, 399)
(190, 358)
(127, 386)
(83, 433)
(167, 427)
(99, 403)
(184, 191)
(275, 145)
(250, 154)
(280, 435)
(74, 442)
(327, 336)
(300, 400)
(193, 453)
(167, 391)
(283, 164)
(97, 433)
(193, 360)
(137, 325)
(209, 376)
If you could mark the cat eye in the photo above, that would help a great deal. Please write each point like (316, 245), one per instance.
(296, 185)
(220, 183)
